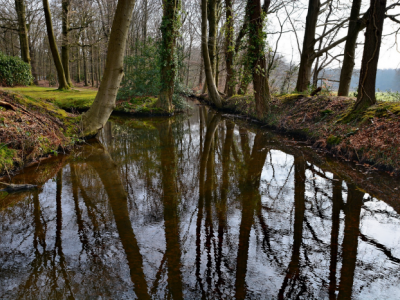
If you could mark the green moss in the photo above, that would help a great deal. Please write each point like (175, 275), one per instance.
(333, 140)
(326, 112)
(290, 97)
(80, 99)
(6, 158)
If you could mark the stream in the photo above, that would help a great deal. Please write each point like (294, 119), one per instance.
(200, 206)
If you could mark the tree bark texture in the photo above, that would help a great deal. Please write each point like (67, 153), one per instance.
(63, 84)
(212, 89)
(104, 102)
(350, 49)
(22, 31)
(369, 66)
(308, 55)
(257, 56)
(65, 40)
(169, 29)
(229, 49)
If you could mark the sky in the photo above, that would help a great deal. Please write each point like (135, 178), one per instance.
(389, 54)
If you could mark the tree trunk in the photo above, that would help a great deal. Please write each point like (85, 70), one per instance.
(350, 50)
(63, 84)
(34, 66)
(92, 63)
(229, 49)
(65, 41)
(307, 56)
(169, 29)
(257, 56)
(78, 67)
(212, 89)
(22, 31)
(104, 102)
(369, 66)
(212, 33)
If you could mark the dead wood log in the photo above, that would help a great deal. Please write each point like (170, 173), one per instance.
(13, 188)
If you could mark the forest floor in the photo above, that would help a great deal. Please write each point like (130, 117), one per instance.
(372, 138)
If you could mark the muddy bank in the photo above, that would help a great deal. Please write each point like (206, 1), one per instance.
(371, 138)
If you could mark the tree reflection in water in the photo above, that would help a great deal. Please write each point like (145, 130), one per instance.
(196, 208)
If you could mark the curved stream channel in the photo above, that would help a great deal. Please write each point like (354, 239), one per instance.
(199, 207)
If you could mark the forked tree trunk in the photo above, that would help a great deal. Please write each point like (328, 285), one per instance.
(350, 50)
(307, 56)
(212, 89)
(229, 49)
(22, 31)
(65, 41)
(258, 62)
(104, 102)
(169, 29)
(369, 66)
(63, 84)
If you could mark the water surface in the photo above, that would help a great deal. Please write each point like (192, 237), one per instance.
(199, 207)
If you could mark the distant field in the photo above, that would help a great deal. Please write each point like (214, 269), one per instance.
(384, 96)
(78, 98)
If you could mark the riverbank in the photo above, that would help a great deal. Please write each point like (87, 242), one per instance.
(32, 130)
(372, 138)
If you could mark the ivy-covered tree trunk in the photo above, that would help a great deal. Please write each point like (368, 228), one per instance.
(65, 40)
(63, 84)
(369, 66)
(257, 59)
(169, 29)
(307, 56)
(104, 103)
(229, 49)
(212, 17)
(350, 50)
(212, 89)
(22, 31)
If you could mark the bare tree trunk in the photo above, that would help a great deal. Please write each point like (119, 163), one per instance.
(33, 66)
(229, 49)
(22, 31)
(63, 84)
(212, 89)
(169, 29)
(350, 50)
(92, 63)
(369, 66)
(65, 40)
(78, 55)
(307, 56)
(258, 62)
(104, 102)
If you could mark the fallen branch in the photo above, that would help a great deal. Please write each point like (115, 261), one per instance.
(6, 105)
(12, 188)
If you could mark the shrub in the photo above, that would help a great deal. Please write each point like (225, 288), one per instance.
(14, 71)
(143, 74)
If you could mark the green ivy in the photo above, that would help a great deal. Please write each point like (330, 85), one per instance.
(14, 71)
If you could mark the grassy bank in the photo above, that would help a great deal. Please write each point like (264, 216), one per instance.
(32, 130)
(80, 100)
(370, 138)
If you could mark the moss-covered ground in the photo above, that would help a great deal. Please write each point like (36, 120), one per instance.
(79, 100)
(371, 137)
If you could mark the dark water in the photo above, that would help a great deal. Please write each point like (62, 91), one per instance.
(199, 207)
